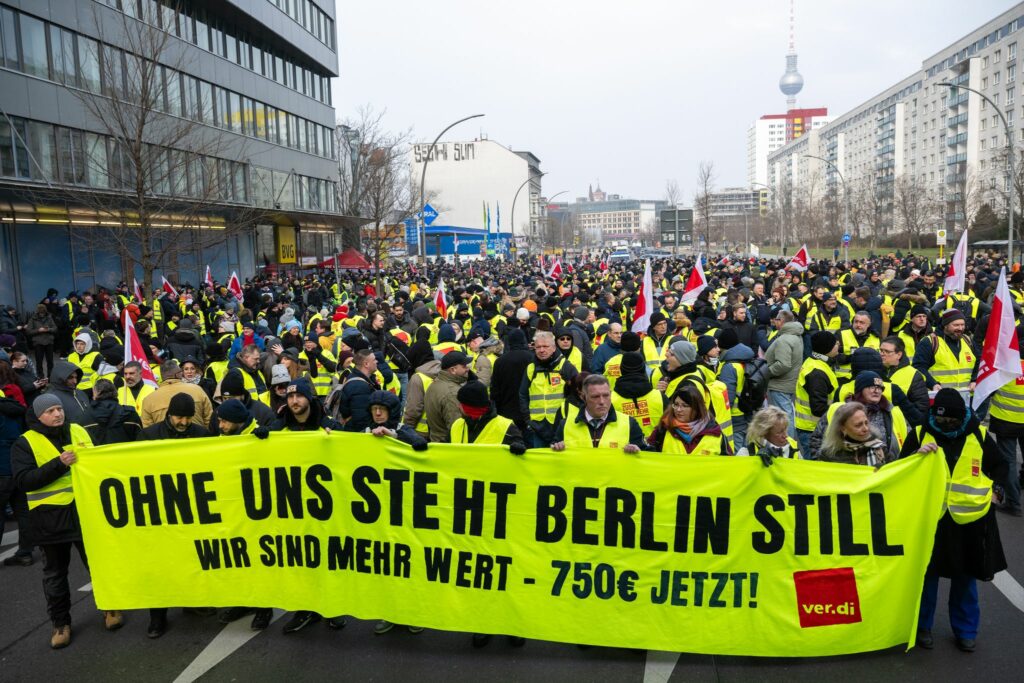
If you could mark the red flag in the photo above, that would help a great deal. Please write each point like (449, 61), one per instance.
(695, 284)
(556, 269)
(1000, 356)
(801, 259)
(471, 271)
(571, 269)
(235, 285)
(956, 278)
(440, 302)
(168, 287)
(540, 259)
(604, 265)
(137, 291)
(644, 302)
(209, 278)
(133, 351)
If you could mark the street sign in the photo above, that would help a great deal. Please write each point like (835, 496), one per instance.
(846, 239)
(429, 214)
(412, 236)
(940, 237)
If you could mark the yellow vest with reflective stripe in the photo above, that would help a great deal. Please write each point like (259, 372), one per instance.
(250, 385)
(322, 381)
(127, 399)
(848, 344)
(909, 343)
(741, 379)
(969, 491)
(84, 363)
(805, 419)
(950, 370)
(394, 386)
(794, 449)
(708, 445)
(654, 354)
(421, 426)
(575, 357)
(903, 378)
(615, 435)
(218, 369)
(716, 399)
(58, 492)
(833, 324)
(646, 409)
(546, 392)
(613, 370)
(492, 433)
(1008, 401)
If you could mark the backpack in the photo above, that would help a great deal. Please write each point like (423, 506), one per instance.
(755, 385)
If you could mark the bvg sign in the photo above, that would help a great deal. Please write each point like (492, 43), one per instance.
(285, 238)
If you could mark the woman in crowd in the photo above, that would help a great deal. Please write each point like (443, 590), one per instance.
(767, 436)
(850, 438)
(688, 428)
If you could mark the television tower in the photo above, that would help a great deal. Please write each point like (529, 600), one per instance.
(791, 82)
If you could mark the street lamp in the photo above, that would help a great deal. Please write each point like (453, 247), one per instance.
(560, 222)
(423, 187)
(846, 189)
(1013, 171)
(513, 247)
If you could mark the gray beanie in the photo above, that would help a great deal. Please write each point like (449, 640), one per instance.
(684, 351)
(43, 403)
(279, 375)
(581, 313)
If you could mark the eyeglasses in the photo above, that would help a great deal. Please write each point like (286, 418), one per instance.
(680, 406)
(886, 352)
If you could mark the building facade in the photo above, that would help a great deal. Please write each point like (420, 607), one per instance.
(920, 141)
(247, 85)
(478, 188)
(772, 131)
(614, 220)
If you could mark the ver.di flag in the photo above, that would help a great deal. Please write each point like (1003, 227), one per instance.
(133, 350)
(1000, 356)
(696, 283)
(235, 285)
(440, 301)
(801, 259)
(209, 278)
(168, 287)
(644, 302)
(137, 291)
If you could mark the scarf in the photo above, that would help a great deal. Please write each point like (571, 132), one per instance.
(686, 431)
(194, 380)
(820, 356)
(472, 412)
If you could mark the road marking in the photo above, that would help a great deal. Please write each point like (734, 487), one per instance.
(9, 537)
(659, 666)
(1009, 587)
(231, 637)
(86, 588)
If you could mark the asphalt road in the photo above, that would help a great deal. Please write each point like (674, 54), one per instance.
(197, 647)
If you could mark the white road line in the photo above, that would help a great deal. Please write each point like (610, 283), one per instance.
(86, 588)
(231, 637)
(659, 666)
(1009, 587)
(9, 537)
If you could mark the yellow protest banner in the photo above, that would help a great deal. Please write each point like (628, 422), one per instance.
(711, 555)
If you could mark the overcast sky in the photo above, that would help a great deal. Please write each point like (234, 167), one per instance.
(627, 93)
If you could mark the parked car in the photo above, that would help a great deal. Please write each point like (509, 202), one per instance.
(620, 255)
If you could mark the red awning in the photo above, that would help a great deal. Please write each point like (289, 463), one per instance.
(350, 258)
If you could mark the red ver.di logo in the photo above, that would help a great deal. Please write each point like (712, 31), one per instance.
(827, 596)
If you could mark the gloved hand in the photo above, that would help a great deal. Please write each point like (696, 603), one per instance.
(261, 432)
(766, 458)
(517, 448)
(420, 446)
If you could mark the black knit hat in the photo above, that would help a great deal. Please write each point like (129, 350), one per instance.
(705, 344)
(234, 411)
(951, 316)
(823, 342)
(473, 394)
(232, 384)
(727, 339)
(453, 358)
(657, 317)
(181, 405)
(919, 309)
(867, 379)
(949, 403)
(633, 364)
(630, 342)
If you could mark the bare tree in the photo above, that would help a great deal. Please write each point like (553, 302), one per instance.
(916, 208)
(702, 199)
(163, 187)
(673, 195)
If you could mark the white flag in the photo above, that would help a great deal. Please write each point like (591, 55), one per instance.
(956, 278)
(644, 302)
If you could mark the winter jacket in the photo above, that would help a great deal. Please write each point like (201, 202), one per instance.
(442, 405)
(542, 429)
(415, 393)
(581, 336)
(403, 433)
(604, 353)
(317, 419)
(185, 343)
(785, 355)
(113, 423)
(507, 376)
(154, 406)
(12, 425)
(513, 435)
(354, 404)
(729, 374)
(260, 411)
(47, 524)
(75, 401)
(44, 322)
(746, 331)
(163, 430)
(972, 549)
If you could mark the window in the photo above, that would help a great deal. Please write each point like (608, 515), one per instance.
(1011, 51)
(996, 77)
(202, 38)
(113, 71)
(261, 121)
(89, 63)
(984, 62)
(206, 102)
(174, 98)
(33, 46)
(984, 124)
(236, 112)
(44, 151)
(223, 113)
(1009, 96)
(997, 57)
(71, 153)
(984, 83)
(9, 33)
(983, 145)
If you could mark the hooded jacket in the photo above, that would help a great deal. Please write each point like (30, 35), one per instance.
(729, 374)
(184, 343)
(403, 433)
(507, 376)
(785, 356)
(113, 423)
(604, 353)
(75, 401)
(442, 405)
(415, 393)
(317, 419)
